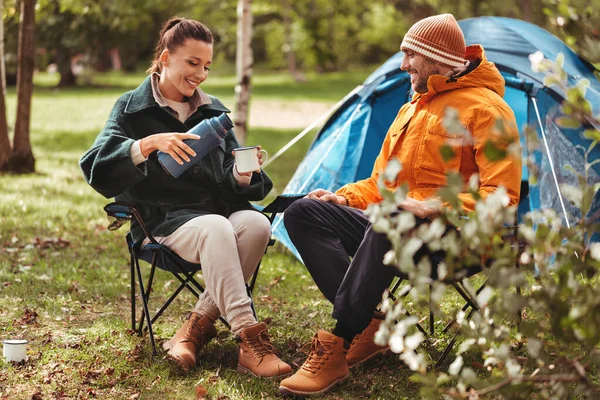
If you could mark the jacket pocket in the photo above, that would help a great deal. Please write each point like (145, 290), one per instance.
(213, 165)
(430, 154)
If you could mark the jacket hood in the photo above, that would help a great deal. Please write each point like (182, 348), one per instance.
(485, 75)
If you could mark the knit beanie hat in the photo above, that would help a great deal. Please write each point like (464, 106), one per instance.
(437, 38)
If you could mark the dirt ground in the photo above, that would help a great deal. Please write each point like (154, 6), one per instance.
(286, 115)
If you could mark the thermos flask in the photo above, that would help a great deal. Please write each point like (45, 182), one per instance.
(212, 132)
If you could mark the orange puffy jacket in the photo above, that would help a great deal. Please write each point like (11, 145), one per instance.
(416, 135)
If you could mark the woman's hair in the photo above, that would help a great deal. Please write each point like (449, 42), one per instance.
(174, 33)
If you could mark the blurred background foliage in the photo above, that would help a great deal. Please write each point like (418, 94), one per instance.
(307, 35)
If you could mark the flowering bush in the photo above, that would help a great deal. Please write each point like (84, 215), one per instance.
(552, 352)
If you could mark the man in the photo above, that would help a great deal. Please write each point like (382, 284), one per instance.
(329, 229)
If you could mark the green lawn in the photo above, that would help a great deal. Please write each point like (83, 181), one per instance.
(64, 279)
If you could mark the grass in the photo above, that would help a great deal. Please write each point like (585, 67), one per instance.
(64, 279)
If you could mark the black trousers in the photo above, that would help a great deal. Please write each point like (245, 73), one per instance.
(344, 256)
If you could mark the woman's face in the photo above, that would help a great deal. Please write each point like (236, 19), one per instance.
(184, 69)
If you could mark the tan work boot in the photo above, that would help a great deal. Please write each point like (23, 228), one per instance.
(257, 354)
(325, 366)
(195, 333)
(363, 347)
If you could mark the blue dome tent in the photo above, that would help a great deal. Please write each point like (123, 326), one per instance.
(345, 148)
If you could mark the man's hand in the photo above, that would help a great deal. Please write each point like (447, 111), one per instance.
(422, 208)
(326, 195)
(170, 143)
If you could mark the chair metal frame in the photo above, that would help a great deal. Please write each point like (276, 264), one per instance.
(470, 300)
(120, 213)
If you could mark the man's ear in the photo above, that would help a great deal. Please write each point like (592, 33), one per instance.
(164, 57)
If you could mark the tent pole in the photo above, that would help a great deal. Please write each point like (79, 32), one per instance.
(318, 163)
(311, 126)
(338, 135)
(562, 204)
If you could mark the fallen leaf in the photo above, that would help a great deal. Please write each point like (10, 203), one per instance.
(274, 282)
(29, 317)
(201, 392)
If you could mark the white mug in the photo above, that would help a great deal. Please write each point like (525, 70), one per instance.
(15, 349)
(246, 158)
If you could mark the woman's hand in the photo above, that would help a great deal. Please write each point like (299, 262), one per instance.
(260, 162)
(170, 143)
(326, 195)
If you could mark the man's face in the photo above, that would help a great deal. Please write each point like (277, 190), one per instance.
(420, 69)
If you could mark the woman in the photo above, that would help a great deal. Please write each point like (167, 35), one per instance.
(204, 215)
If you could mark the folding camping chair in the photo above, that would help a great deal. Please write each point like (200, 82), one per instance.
(457, 282)
(159, 255)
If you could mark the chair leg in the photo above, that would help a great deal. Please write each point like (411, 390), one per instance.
(250, 289)
(392, 296)
(464, 308)
(132, 271)
(471, 302)
(167, 304)
(189, 279)
(148, 289)
(518, 288)
(146, 312)
(431, 316)
(465, 295)
(448, 348)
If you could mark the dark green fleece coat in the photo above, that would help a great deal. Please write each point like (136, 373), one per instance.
(165, 203)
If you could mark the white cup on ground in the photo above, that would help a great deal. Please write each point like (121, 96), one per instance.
(15, 349)
(246, 158)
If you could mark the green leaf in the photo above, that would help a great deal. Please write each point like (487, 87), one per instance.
(447, 153)
(567, 122)
(493, 152)
(560, 59)
(592, 134)
(550, 80)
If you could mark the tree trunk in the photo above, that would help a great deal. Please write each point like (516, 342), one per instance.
(63, 63)
(2, 62)
(4, 139)
(291, 56)
(63, 55)
(527, 10)
(21, 160)
(244, 61)
(475, 6)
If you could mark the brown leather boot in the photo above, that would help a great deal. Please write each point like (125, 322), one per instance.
(325, 366)
(363, 348)
(257, 354)
(189, 339)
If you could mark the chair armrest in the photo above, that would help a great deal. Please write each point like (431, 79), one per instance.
(122, 212)
(281, 203)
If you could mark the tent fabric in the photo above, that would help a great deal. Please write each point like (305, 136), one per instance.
(344, 150)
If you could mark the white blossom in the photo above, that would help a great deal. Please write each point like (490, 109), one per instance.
(595, 251)
(413, 341)
(535, 59)
(455, 367)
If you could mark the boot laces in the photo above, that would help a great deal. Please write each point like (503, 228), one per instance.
(318, 354)
(260, 344)
(195, 331)
(357, 338)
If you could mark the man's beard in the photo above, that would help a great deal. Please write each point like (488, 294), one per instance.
(421, 84)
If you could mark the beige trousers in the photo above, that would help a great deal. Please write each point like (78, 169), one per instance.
(229, 250)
